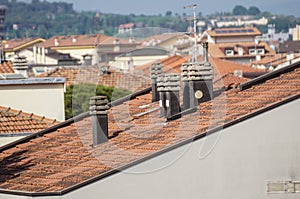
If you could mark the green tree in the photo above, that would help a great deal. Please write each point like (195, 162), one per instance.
(253, 10)
(239, 10)
(77, 97)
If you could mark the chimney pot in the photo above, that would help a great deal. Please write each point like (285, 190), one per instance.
(155, 71)
(169, 87)
(99, 113)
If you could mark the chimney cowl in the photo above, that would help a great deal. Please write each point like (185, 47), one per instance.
(99, 113)
(169, 87)
(155, 71)
(98, 105)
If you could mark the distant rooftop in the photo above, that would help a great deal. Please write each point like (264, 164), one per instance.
(29, 81)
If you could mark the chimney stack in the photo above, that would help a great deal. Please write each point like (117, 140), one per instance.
(155, 70)
(99, 113)
(205, 51)
(185, 86)
(197, 81)
(169, 87)
(162, 95)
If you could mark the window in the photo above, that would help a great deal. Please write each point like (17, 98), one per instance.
(252, 51)
(229, 52)
(261, 51)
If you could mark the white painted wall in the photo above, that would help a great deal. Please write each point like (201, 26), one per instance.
(246, 156)
(41, 99)
(7, 140)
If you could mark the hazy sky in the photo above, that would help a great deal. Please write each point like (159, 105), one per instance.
(176, 6)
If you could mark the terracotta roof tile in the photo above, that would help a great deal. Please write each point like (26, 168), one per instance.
(73, 76)
(6, 67)
(17, 44)
(63, 157)
(18, 122)
(74, 40)
(218, 50)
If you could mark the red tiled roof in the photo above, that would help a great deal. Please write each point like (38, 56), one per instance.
(75, 40)
(60, 158)
(16, 44)
(218, 50)
(6, 67)
(127, 25)
(229, 32)
(129, 81)
(273, 60)
(17, 122)
(224, 69)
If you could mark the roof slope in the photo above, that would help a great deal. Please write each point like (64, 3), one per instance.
(54, 161)
(17, 44)
(17, 122)
(129, 81)
(230, 32)
(6, 67)
(75, 40)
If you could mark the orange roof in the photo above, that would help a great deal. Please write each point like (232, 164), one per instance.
(74, 40)
(273, 60)
(127, 25)
(59, 159)
(6, 67)
(218, 50)
(172, 63)
(230, 32)
(17, 44)
(17, 122)
(129, 81)
(222, 68)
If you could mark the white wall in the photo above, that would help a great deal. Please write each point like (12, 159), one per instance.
(41, 99)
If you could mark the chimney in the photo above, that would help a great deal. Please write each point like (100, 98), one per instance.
(168, 88)
(172, 86)
(99, 114)
(155, 70)
(200, 77)
(162, 95)
(205, 51)
(56, 42)
(185, 86)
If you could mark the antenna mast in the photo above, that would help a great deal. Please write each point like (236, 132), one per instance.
(194, 6)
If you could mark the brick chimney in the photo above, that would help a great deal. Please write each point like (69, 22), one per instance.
(155, 71)
(99, 114)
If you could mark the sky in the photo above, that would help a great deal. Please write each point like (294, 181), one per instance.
(149, 7)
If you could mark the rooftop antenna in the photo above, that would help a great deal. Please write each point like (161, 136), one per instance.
(194, 6)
